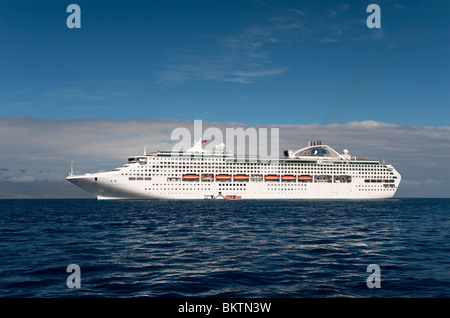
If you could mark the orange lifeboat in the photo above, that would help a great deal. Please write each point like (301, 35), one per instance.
(223, 177)
(304, 178)
(288, 178)
(190, 177)
(233, 197)
(240, 177)
(272, 177)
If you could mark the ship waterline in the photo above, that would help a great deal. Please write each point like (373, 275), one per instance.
(313, 172)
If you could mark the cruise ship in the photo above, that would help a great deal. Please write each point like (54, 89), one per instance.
(314, 172)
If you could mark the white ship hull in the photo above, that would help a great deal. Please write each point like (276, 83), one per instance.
(221, 176)
(121, 188)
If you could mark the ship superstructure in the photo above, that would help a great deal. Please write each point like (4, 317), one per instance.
(314, 172)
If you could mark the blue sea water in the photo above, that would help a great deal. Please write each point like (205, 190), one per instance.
(225, 248)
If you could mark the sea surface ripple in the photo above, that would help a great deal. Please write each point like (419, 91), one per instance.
(225, 248)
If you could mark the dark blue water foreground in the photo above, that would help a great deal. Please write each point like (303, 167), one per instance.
(225, 248)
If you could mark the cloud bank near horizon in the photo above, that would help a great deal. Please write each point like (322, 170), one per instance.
(37, 152)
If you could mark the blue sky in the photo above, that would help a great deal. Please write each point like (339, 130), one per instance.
(258, 62)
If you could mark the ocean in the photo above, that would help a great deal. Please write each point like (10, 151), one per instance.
(398, 248)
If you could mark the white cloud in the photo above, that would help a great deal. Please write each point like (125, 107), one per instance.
(21, 179)
(40, 150)
(247, 48)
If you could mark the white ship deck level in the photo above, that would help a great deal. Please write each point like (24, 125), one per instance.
(314, 172)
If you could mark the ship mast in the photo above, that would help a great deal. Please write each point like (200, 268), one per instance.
(71, 167)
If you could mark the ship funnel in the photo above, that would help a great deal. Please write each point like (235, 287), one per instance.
(314, 143)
